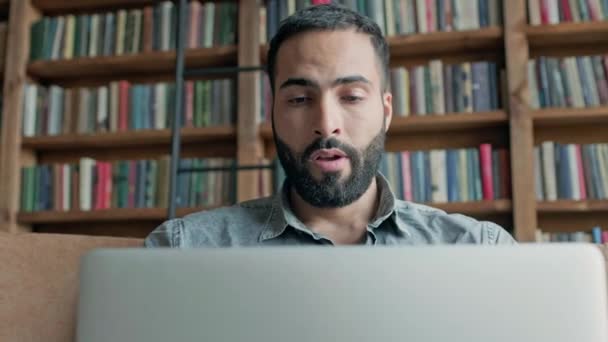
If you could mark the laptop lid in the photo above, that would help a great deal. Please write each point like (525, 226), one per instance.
(520, 293)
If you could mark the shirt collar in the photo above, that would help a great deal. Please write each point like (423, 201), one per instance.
(282, 215)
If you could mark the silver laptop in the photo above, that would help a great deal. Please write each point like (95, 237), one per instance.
(534, 293)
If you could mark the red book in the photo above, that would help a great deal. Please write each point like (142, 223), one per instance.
(581, 172)
(430, 16)
(321, 2)
(566, 10)
(123, 106)
(605, 236)
(147, 35)
(406, 173)
(593, 11)
(544, 12)
(485, 160)
(193, 30)
(189, 104)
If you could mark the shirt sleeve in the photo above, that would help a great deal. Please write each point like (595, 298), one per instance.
(165, 235)
(498, 235)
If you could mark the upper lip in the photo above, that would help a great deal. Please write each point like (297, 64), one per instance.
(327, 153)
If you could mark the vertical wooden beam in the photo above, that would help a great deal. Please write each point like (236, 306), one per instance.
(21, 16)
(522, 134)
(249, 141)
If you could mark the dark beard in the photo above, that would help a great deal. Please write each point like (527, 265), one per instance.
(330, 192)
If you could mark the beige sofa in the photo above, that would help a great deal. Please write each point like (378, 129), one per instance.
(39, 283)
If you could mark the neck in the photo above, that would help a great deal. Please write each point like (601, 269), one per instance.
(343, 225)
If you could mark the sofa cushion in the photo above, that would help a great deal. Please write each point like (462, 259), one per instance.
(39, 283)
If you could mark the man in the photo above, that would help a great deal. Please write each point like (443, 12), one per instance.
(328, 69)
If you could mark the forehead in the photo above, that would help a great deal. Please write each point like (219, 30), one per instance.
(329, 54)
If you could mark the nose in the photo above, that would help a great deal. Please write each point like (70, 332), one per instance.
(328, 120)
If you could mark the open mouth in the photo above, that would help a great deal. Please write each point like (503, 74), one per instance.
(328, 155)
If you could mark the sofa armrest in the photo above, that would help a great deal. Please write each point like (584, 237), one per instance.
(39, 281)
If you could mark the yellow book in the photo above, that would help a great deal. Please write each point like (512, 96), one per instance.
(68, 47)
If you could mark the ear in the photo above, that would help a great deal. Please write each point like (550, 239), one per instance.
(387, 106)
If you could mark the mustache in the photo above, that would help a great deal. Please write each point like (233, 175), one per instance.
(328, 143)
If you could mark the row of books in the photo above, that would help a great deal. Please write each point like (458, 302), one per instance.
(438, 89)
(571, 171)
(96, 185)
(397, 17)
(544, 12)
(568, 82)
(122, 106)
(595, 235)
(439, 176)
(130, 31)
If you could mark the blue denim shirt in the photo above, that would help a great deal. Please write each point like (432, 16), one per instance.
(270, 221)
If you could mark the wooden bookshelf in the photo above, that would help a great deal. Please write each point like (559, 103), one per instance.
(517, 127)
(139, 66)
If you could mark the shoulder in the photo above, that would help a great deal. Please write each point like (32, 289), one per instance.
(240, 224)
(434, 225)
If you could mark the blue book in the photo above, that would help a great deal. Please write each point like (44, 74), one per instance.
(428, 189)
(493, 86)
(584, 81)
(441, 24)
(564, 176)
(383, 167)
(272, 18)
(471, 174)
(477, 176)
(399, 174)
(414, 175)
(452, 175)
(596, 233)
(597, 172)
(543, 94)
(588, 171)
(484, 18)
(418, 175)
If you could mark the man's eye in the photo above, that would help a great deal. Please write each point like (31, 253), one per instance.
(352, 98)
(299, 100)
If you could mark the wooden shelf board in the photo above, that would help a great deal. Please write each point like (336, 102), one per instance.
(128, 139)
(107, 215)
(566, 116)
(438, 44)
(128, 66)
(567, 34)
(502, 206)
(572, 207)
(446, 43)
(451, 121)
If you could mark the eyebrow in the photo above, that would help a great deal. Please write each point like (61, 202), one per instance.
(304, 82)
